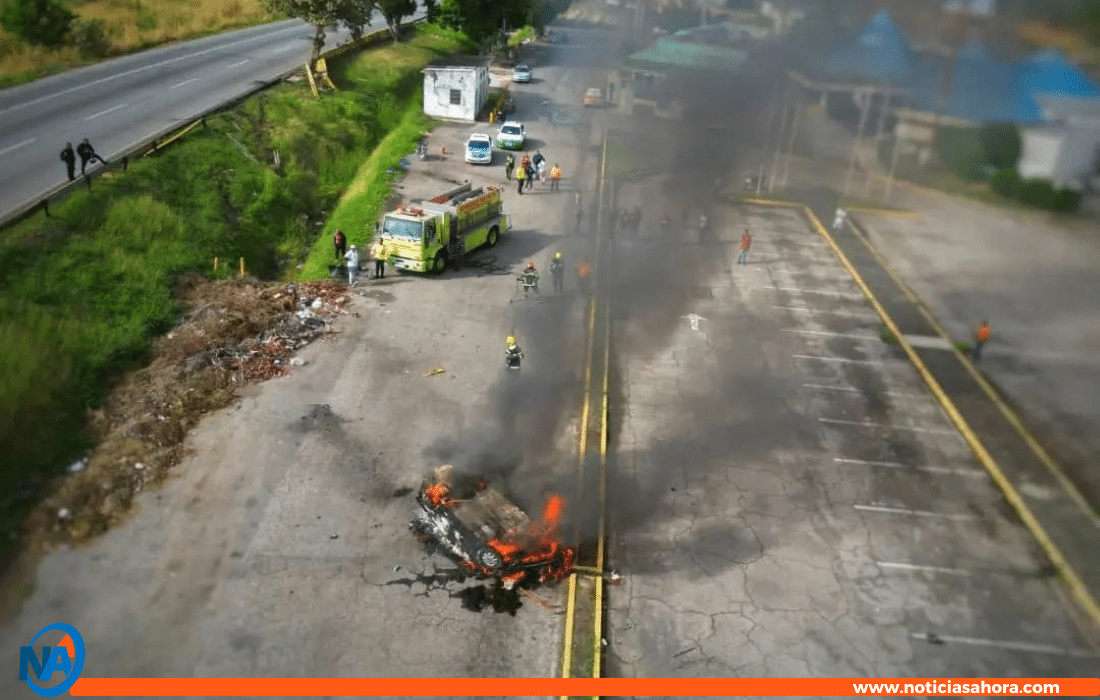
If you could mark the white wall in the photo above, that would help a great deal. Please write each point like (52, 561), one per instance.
(1063, 154)
(1040, 152)
(472, 83)
(1078, 156)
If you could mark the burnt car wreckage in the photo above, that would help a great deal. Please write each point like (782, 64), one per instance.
(488, 535)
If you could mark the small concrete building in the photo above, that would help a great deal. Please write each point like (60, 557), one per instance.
(1066, 147)
(456, 87)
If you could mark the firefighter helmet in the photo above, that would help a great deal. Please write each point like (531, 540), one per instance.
(530, 266)
(510, 340)
(557, 255)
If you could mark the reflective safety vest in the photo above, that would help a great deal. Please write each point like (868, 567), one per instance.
(582, 270)
(746, 240)
(983, 333)
(555, 173)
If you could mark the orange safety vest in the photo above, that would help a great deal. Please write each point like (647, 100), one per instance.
(582, 270)
(983, 333)
(746, 240)
(555, 174)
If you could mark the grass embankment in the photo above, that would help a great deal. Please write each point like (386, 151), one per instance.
(84, 293)
(129, 25)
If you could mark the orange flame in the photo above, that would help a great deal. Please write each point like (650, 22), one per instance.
(438, 495)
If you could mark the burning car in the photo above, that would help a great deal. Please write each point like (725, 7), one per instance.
(488, 535)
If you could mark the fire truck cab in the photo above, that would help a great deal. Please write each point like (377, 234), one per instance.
(429, 236)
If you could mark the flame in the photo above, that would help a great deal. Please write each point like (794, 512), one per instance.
(539, 546)
(438, 495)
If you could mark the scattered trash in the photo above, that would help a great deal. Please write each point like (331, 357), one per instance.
(64, 514)
(297, 362)
(396, 567)
(434, 371)
(78, 466)
(139, 466)
(333, 536)
(317, 303)
(616, 578)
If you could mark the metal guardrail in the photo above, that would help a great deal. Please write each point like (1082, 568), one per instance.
(165, 137)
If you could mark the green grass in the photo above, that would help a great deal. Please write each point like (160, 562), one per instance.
(855, 202)
(84, 293)
(964, 347)
(887, 335)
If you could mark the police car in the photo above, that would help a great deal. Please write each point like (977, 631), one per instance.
(479, 149)
(511, 135)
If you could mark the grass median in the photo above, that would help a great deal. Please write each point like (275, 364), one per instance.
(84, 293)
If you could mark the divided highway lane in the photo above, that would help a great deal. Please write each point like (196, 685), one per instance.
(120, 103)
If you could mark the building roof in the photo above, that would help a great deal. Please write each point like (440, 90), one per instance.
(878, 53)
(668, 52)
(458, 62)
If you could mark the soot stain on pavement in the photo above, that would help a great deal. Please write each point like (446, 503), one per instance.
(475, 598)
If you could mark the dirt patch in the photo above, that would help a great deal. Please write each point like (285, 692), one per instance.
(233, 333)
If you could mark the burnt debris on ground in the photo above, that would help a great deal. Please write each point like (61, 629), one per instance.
(232, 333)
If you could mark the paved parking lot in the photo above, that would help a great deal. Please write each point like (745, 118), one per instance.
(809, 509)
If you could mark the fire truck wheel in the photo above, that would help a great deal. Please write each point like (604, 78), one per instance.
(494, 234)
(488, 558)
(439, 265)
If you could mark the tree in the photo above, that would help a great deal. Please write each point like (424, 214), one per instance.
(44, 22)
(355, 14)
(484, 19)
(393, 11)
(431, 10)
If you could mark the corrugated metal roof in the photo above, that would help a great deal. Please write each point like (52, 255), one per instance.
(878, 53)
(669, 52)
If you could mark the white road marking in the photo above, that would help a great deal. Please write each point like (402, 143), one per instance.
(917, 567)
(281, 49)
(850, 314)
(843, 360)
(106, 111)
(238, 63)
(857, 336)
(888, 426)
(190, 80)
(1027, 647)
(906, 511)
(220, 47)
(22, 143)
(853, 390)
(824, 292)
(906, 467)
(929, 342)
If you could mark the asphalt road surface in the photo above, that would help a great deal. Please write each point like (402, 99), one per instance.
(281, 546)
(126, 101)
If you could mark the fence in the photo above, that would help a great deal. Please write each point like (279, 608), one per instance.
(170, 135)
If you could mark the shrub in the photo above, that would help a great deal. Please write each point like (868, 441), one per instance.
(1006, 182)
(960, 148)
(1066, 201)
(1002, 144)
(45, 22)
(1038, 193)
(90, 36)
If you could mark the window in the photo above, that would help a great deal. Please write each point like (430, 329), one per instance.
(456, 97)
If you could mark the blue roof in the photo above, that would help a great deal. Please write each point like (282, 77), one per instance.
(1050, 73)
(983, 90)
(878, 53)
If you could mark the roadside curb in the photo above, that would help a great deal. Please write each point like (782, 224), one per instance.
(1079, 525)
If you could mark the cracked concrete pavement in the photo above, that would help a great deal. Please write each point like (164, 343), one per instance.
(274, 549)
(813, 511)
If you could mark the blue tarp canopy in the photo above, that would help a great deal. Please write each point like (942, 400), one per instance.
(879, 53)
(1050, 73)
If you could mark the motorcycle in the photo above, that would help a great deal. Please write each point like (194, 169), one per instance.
(512, 356)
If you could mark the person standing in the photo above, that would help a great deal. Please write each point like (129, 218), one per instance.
(509, 165)
(339, 244)
(378, 252)
(746, 243)
(557, 271)
(555, 178)
(352, 256)
(839, 219)
(981, 337)
(583, 280)
(69, 156)
(521, 175)
(542, 171)
(531, 175)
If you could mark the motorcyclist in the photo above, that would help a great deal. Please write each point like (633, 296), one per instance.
(557, 271)
(512, 351)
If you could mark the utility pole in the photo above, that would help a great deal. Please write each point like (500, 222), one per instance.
(957, 20)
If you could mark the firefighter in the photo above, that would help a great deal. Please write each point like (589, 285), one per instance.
(509, 166)
(352, 256)
(521, 175)
(746, 243)
(583, 279)
(512, 352)
(981, 337)
(378, 252)
(555, 178)
(557, 271)
(530, 278)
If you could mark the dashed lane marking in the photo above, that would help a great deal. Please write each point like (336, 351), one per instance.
(975, 473)
(106, 111)
(854, 390)
(891, 510)
(822, 292)
(889, 426)
(1026, 647)
(841, 360)
(903, 566)
(830, 312)
(830, 334)
(14, 146)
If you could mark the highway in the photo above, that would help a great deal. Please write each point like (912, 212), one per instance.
(120, 103)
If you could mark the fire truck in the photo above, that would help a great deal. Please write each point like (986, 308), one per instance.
(426, 237)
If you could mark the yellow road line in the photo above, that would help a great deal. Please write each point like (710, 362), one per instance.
(570, 616)
(1021, 430)
(597, 608)
(1077, 587)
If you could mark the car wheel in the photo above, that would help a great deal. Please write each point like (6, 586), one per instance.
(494, 234)
(488, 558)
(439, 264)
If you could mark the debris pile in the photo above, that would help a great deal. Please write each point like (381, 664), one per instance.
(232, 333)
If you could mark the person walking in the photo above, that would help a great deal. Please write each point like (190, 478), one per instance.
(557, 272)
(69, 156)
(981, 337)
(339, 244)
(542, 171)
(555, 178)
(87, 154)
(509, 166)
(378, 252)
(531, 175)
(352, 256)
(521, 175)
(746, 243)
(583, 280)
